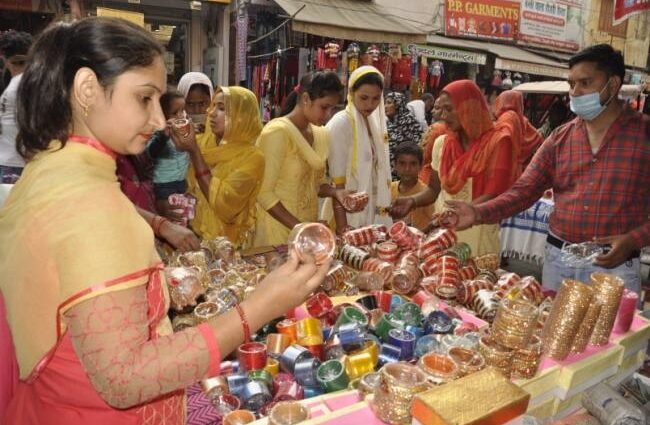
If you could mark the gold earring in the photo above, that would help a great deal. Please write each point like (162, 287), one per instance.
(86, 111)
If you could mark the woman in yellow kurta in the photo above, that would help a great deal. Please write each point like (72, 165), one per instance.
(295, 148)
(227, 168)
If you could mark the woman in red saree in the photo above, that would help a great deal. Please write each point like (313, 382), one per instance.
(85, 299)
(511, 103)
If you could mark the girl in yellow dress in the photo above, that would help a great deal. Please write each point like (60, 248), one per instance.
(296, 147)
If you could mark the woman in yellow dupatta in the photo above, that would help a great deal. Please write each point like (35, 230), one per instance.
(295, 148)
(227, 168)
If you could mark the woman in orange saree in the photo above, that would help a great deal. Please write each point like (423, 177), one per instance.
(509, 103)
(474, 161)
(85, 298)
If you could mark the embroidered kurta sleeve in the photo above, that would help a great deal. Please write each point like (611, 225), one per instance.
(274, 147)
(110, 334)
(340, 128)
(103, 254)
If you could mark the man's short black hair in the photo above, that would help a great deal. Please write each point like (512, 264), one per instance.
(14, 43)
(427, 96)
(606, 58)
(409, 148)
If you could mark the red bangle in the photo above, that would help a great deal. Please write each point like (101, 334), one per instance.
(157, 223)
(202, 173)
(244, 323)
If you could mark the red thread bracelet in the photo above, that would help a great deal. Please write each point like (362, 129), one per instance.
(244, 323)
(157, 223)
(202, 173)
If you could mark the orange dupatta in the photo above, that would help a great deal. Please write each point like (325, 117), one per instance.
(491, 160)
(529, 139)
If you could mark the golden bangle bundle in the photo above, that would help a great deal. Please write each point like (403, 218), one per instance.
(525, 361)
(496, 355)
(564, 320)
(514, 323)
(608, 290)
(586, 327)
(398, 384)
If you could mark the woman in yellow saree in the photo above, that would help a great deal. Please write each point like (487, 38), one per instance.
(226, 167)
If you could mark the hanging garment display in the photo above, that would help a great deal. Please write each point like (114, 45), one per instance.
(436, 70)
(374, 52)
(422, 75)
(353, 57)
(332, 51)
(402, 73)
(497, 81)
(507, 81)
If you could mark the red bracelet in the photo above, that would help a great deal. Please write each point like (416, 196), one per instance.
(244, 323)
(157, 223)
(202, 173)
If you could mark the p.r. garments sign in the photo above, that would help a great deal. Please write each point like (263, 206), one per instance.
(491, 19)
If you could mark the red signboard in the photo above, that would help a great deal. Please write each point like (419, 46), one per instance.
(623, 9)
(24, 5)
(494, 19)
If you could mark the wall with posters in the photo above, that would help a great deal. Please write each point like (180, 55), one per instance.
(487, 19)
(634, 45)
(555, 25)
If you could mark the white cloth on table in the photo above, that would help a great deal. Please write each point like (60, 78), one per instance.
(523, 235)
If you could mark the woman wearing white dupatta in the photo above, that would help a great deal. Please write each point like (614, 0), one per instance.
(359, 158)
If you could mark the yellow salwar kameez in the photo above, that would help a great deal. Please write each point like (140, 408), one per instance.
(237, 168)
(293, 174)
(484, 238)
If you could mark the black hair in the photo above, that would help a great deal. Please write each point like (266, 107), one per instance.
(606, 58)
(200, 87)
(316, 84)
(14, 43)
(409, 148)
(108, 46)
(372, 78)
(427, 96)
(167, 98)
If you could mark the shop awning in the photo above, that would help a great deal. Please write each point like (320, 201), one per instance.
(562, 87)
(508, 58)
(359, 20)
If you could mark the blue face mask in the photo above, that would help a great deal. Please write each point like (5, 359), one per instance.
(588, 106)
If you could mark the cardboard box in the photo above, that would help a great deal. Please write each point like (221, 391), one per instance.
(634, 340)
(482, 398)
(581, 371)
(544, 410)
(542, 386)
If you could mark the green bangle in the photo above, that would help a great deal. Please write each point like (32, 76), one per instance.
(385, 324)
(261, 375)
(332, 376)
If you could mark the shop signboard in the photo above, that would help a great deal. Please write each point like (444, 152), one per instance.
(530, 68)
(623, 9)
(551, 24)
(487, 19)
(455, 55)
(24, 5)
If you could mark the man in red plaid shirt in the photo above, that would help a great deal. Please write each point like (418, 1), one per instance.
(598, 166)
